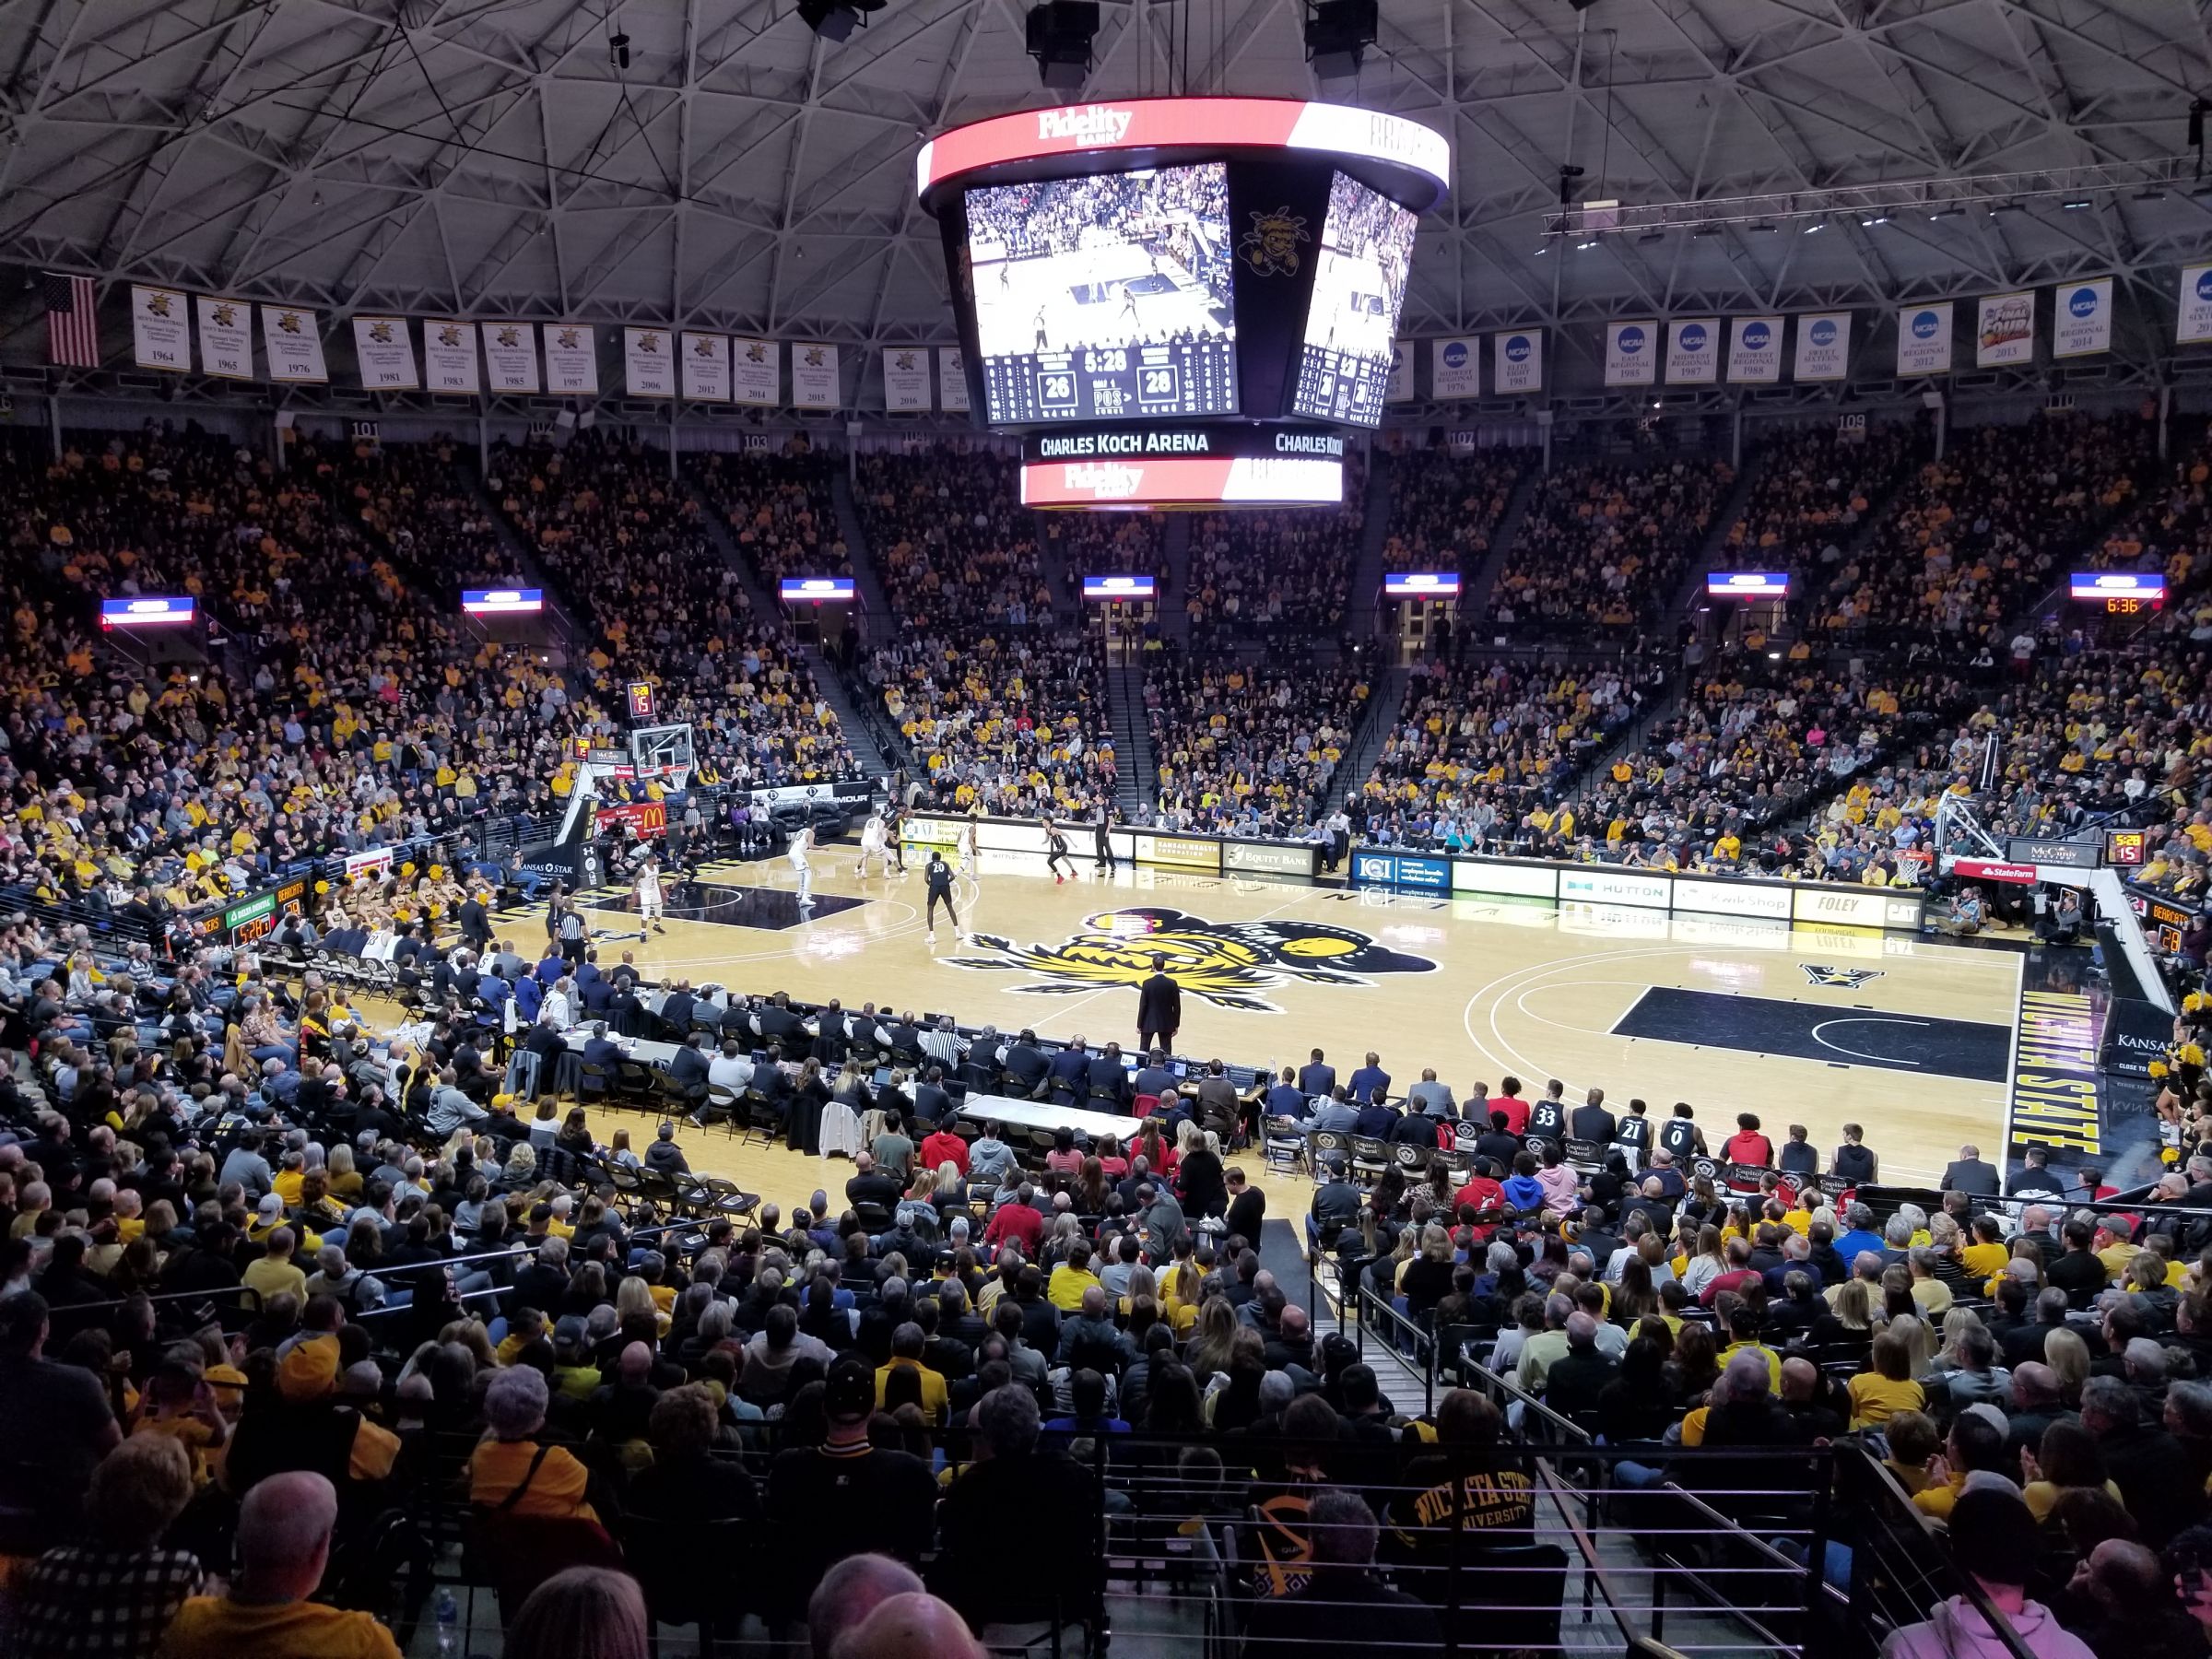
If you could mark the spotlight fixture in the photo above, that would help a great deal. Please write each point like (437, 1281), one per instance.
(1818, 225)
(1339, 33)
(1706, 230)
(1998, 207)
(1584, 247)
(1059, 36)
(1868, 224)
(617, 51)
(2075, 207)
(1768, 226)
(1653, 236)
(1943, 213)
(836, 19)
(2150, 193)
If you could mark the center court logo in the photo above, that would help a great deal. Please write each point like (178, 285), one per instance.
(1227, 964)
(1092, 123)
(1845, 979)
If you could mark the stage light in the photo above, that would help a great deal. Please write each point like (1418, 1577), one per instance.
(1059, 36)
(1339, 33)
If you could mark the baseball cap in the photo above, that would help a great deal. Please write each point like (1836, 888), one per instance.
(849, 1389)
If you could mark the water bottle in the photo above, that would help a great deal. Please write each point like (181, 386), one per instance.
(449, 1626)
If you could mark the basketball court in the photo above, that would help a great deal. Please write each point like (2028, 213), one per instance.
(1909, 1037)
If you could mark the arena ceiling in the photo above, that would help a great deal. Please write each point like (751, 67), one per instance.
(485, 157)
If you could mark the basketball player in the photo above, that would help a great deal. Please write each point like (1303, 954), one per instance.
(649, 895)
(802, 843)
(1041, 342)
(1055, 852)
(1129, 301)
(894, 833)
(871, 845)
(938, 875)
(972, 855)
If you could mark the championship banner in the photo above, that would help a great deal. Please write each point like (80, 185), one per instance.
(225, 337)
(1755, 350)
(571, 361)
(814, 377)
(385, 354)
(2081, 318)
(448, 358)
(952, 379)
(161, 330)
(1693, 351)
(645, 817)
(648, 365)
(1455, 368)
(1517, 360)
(1923, 339)
(511, 357)
(1631, 358)
(706, 374)
(1401, 374)
(2005, 330)
(755, 372)
(1823, 346)
(288, 335)
(906, 380)
(2193, 321)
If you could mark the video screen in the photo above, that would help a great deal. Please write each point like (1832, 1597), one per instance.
(1107, 296)
(1358, 289)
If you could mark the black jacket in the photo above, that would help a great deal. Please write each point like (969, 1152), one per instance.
(1159, 1005)
(1978, 1176)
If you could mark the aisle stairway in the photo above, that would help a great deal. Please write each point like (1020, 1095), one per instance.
(1134, 769)
(860, 733)
(1363, 606)
(874, 597)
(1174, 620)
(569, 635)
(1384, 706)
(1475, 597)
(765, 604)
(1709, 554)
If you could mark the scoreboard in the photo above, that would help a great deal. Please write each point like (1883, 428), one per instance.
(1184, 377)
(1339, 385)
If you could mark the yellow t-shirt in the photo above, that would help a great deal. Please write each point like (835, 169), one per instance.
(215, 1627)
(556, 1491)
(936, 1396)
(265, 1277)
(1985, 1261)
(1876, 1398)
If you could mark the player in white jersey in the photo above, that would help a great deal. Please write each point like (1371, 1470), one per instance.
(649, 895)
(971, 857)
(802, 843)
(874, 843)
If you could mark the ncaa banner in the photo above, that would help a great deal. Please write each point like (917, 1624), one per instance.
(906, 380)
(2081, 318)
(384, 351)
(648, 362)
(511, 357)
(294, 345)
(1455, 368)
(2005, 330)
(952, 379)
(1401, 374)
(1823, 346)
(225, 337)
(2194, 321)
(755, 372)
(1755, 350)
(571, 361)
(1517, 360)
(449, 356)
(1631, 354)
(706, 372)
(1693, 351)
(161, 330)
(1923, 339)
(814, 377)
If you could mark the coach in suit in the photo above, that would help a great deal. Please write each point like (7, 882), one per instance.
(688, 1068)
(1109, 1078)
(1158, 1008)
(475, 924)
(1971, 1175)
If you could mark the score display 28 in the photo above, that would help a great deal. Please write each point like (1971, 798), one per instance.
(1192, 377)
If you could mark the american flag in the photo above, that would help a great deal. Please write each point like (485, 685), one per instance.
(72, 324)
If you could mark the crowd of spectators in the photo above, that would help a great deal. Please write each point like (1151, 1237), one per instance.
(779, 509)
(1445, 507)
(1480, 747)
(1976, 536)
(350, 708)
(1249, 748)
(607, 520)
(1811, 491)
(1000, 701)
(1276, 575)
(1607, 543)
